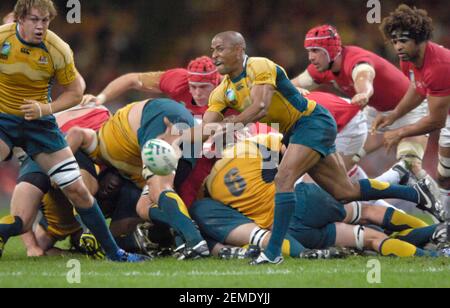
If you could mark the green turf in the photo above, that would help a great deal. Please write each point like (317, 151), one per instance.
(16, 270)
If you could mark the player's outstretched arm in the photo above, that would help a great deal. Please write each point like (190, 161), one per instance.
(144, 82)
(82, 138)
(305, 81)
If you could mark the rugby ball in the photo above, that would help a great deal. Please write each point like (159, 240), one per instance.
(160, 157)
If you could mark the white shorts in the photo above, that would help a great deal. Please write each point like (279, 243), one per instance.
(352, 138)
(444, 140)
(410, 118)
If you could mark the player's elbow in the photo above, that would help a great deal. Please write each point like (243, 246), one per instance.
(436, 124)
(132, 81)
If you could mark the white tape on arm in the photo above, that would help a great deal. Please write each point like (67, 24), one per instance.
(362, 67)
(306, 81)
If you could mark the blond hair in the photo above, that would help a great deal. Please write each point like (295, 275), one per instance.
(23, 8)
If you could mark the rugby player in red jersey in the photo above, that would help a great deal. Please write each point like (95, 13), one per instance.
(428, 67)
(372, 83)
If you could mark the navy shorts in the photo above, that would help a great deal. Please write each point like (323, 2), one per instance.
(317, 131)
(34, 137)
(316, 213)
(216, 220)
(152, 121)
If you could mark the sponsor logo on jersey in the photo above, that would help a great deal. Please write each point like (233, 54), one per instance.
(43, 60)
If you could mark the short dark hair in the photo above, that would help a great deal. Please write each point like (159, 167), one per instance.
(404, 18)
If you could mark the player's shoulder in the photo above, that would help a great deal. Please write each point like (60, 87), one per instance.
(56, 45)
(258, 65)
(176, 72)
(259, 61)
(173, 78)
(7, 30)
(437, 54)
(221, 88)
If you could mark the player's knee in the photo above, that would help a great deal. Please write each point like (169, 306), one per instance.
(355, 209)
(411, 152)
(78, 194)
(285, 181)
(359, 233)
(259, 237)
(65, 173)
(349, 192)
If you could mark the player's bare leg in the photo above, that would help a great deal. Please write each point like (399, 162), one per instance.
(64, 171)
(297, 160)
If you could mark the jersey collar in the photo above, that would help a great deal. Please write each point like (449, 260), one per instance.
(40, 45)
(244, 71)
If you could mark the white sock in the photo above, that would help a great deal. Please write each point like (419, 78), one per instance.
(391, 176)
(387, 204)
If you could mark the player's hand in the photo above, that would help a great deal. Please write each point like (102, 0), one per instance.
(361, 99)
(89, 98)
(381, 122)
(172, 135)
(34, 110)
(303, 91)
(392, 139)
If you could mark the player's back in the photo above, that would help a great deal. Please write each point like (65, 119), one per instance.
(244, 178)
(119, 147)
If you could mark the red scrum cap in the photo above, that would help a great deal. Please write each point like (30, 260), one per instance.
(326, 38)
(202, 70)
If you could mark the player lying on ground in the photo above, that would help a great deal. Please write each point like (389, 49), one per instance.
(242, 207)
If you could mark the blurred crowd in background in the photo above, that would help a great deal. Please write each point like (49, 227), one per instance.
(118, 36)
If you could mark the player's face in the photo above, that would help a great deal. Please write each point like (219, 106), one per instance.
(201, 92)
(34, 26)
(227, 57)
(406, 49)
(109, 186)
(319, 59)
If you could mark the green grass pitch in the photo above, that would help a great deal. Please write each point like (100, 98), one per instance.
(16, 270)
